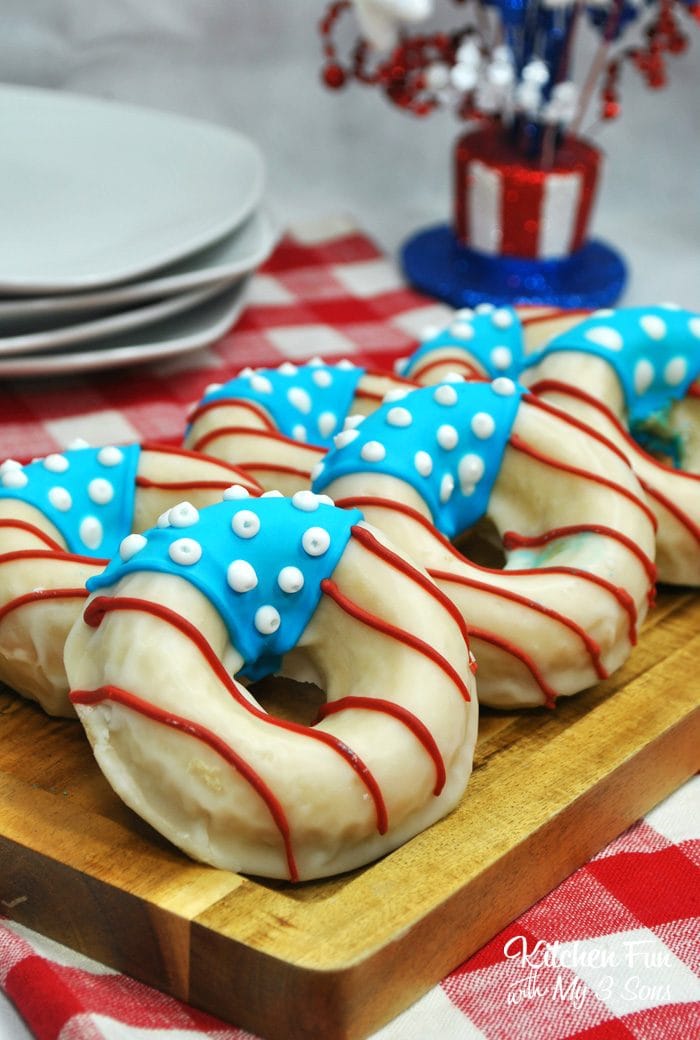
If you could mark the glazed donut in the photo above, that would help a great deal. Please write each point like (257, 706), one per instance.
(579, 539)
(61, 518)
(277, 423)
(638, 369)
(275, 585)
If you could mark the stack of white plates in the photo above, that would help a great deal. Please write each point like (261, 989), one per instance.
(126, 235)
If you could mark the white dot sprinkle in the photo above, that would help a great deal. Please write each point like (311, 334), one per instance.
(694, 327)
(503, 386)
(447, 486)
(502, 318)
(453, 377)
(60, 498)
(501, 358)
(462, 330)
(185, 551)
(484, 308)
(675, 371)
(345, 437)
(373, 451)
(183, 514)
(322, 378)
(288, 368)
(327, 422)
(397, 393)
(654, 326)
(483, 425)
(261, 384)
(241, 576)
(129, 546)
(447, 436)
(212, 388)
(100, 491)
(352, 421)
(235, 492)
(603, 312)
(305, 500)
(464, 312)
(9, 464)
(315, 541)
(272, 494)
(163, 520)
(56, 463)
(290, 579)
(299, 432)
(423, 463)
(316, 361)
(325, 500)
(78, 443)
(445, 394)
(605, 336)
(246, 373)
(399, 416)
(267, 620)
(430, 332)
(299, 399)
(345, 364)
(643, 375)
(470, 469)
(110, 456)
(91, 532)
(14, 478)
(245, 523)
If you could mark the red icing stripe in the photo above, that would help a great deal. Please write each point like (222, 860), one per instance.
(683, 519)
(40, 595)
(101, 605)
(50, 554)
(224, 402)
(540, 608)
(246, 431)
(23, 525)
(331, 590)
(579, 424)
(460, 362)
(190, 485)
(519, 444)
(549, 694)
(552, 315)
(166, 449)
(397, 711)
(205, 736)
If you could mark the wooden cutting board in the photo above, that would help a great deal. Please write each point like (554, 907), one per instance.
(338, 958)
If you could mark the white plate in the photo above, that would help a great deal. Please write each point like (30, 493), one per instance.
(93, 192)
(232, 257)
(176, 335)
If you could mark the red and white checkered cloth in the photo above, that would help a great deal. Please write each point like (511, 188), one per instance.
(612, 953)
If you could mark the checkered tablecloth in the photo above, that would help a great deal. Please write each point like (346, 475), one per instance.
(613, 952)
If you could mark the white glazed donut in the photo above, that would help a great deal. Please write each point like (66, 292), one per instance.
(61, 518)
(637, 369)
(299, 588)
(579, 539)
(277, 423)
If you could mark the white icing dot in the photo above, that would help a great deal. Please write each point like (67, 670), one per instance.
(352, 421)
(484, 308)
(694, 327)
(317, 470)
(60, 498)
(373, 451)
(261, 384)
(653, 325)
(110, 456)
(183, 514)
(502, 318)
(643, 375)
(462, 330)
(212, 388)
(100, 491)
(322, 377)
(241, 576)
(288, 368)
(91, 532)
(399, 416)
(299, 399)
(400, 365)
(56, 463)
(483, 425)
(299, 432)
(315, 541)
(130, 545)
(447, 436)
(675, 371)
(305, 500)
(245, 523)
(470, 470)
(423, 463)
(267, 620)
(325, 500)
(503, 386)
(453, 377)
(345, 364)
(464, 312)
(236, 491)
(316, 360)
(397, 393)
(247, 372)
(430, 332)
(9, 464)
(14, 478)
(185, 551)
(290, 579)
(78, 443)
(501, 358)
(272, 494)
(445, 394)
(605, 336)
(603, 312)
(327, 422)
(164, 519)
(345, 437)
(447, 486)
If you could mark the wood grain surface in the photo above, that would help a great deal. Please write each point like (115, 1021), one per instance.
(338, 958)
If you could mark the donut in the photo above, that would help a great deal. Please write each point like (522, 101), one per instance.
(559, 501)
(253, 587)
(634, 375)
(277, 423)
(61, 518)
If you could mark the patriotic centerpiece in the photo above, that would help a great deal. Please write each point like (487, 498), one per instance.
(525, 179)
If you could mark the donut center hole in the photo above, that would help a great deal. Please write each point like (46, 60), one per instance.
(288, 699)
(482, 544)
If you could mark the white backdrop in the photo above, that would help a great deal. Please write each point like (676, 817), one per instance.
(254, 65)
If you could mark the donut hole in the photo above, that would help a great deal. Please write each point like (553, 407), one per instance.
(482, 545)
(289, 699)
